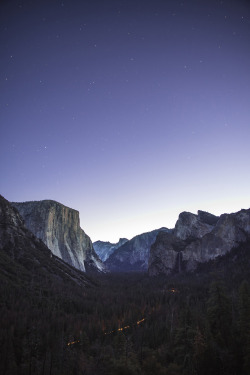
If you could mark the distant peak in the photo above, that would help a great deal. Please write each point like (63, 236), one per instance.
(207, 218)
(122, 240)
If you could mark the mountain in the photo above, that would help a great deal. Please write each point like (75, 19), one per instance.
(55, 320)
(134, 254)
(59, 228)
(25, 259)
(197, 239)
(105, 249)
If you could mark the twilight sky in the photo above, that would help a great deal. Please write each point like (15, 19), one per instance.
(128, 111)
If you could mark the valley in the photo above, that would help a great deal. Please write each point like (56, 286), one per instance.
(58, 320)
(129, 324)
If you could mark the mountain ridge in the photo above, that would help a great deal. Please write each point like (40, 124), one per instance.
(192, 243)
(133, 255)
(105, 248)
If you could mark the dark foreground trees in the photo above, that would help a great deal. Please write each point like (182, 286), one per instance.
(127, 324)
(191, 330)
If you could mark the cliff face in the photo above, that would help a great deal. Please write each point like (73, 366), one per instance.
(59, 228)
(105, 249)
(24, 257)
(134, 254)
(198, 239)
(190, 226)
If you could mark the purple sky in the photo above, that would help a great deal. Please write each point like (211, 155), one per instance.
(128, 111)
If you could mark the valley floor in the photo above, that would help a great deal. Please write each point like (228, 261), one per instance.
(130, 324)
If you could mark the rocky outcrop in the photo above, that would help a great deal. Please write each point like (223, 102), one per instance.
(164, 254)
(198, 239)
(190, 226)
(134, 254)
(105, 249)
(59, 228)
(25, 258)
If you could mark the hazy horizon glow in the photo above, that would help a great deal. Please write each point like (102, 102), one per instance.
(128, 111)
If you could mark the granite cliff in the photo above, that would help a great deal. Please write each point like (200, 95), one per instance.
(197, 239)
(134, 254)
(105, 249)
(25, 259)
(59, 228)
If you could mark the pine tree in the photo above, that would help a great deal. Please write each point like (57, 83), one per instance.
(244, 325)
(219, 314)
(244, 312)
(199, 350)
(184, 340)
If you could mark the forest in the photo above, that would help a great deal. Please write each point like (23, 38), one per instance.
(129, 323)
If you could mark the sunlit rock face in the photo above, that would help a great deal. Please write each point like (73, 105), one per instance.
(198, 239)
(59, 228)
(105, 249)
(134, 254)
(23, 254)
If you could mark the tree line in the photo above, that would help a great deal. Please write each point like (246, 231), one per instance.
(190, 324)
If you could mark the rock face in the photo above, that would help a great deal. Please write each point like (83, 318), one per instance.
(24, 256)
(134, 254)
(105, 249)
(58, 227)
(197, 239)
(190, 226)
